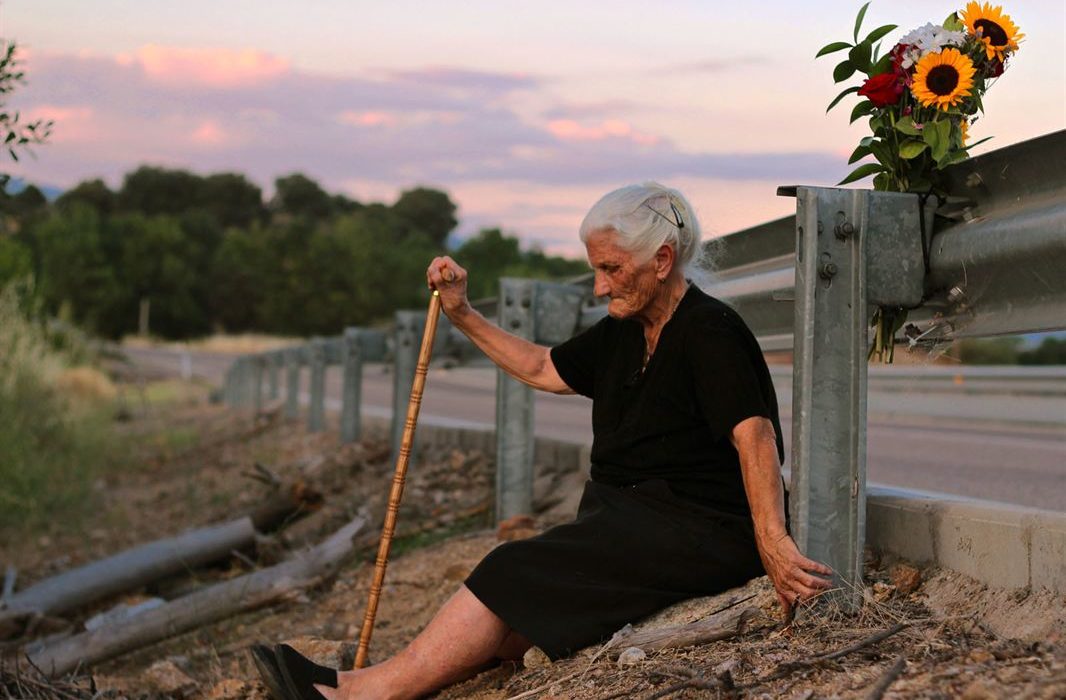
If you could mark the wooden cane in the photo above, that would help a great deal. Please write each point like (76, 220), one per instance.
(402, 459)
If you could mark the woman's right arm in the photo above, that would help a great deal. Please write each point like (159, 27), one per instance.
(525, 361)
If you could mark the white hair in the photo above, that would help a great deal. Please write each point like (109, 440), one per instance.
(645, 217)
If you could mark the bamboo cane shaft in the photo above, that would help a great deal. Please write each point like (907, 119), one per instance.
(400, 475)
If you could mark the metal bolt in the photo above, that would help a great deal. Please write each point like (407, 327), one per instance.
(844, 230)
(828, 270)
(526, 303)
(956, 294)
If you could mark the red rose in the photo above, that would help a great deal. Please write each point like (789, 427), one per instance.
(882, 90)
(897, 56)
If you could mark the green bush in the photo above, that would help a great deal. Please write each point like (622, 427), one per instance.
(52, 446)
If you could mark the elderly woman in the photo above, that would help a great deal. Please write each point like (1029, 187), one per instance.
(685, 497)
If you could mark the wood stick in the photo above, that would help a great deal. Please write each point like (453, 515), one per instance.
(790, 666)
(400, 475)
(724, 625)
(128, 570)
(207, 605)
(887, 679)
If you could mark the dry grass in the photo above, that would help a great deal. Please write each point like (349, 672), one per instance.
(85, 385)
(225, 344)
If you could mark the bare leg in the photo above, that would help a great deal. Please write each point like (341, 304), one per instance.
(458, 642)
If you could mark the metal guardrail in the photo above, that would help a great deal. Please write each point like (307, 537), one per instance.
(996, 257)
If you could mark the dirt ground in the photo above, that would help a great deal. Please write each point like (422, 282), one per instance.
(198, 466)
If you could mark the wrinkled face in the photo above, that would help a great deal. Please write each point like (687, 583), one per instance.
(629, 285)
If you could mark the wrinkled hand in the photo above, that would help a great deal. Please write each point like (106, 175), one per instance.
(792, 574)
(445, 276)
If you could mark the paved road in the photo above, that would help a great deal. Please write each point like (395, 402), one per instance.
(998, 447)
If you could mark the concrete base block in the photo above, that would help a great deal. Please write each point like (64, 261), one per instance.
(996, 543)
(1047, 559)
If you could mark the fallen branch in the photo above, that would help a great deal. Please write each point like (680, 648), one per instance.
(887, 679)
(725, 624)
(122, 572)
(541, 688)
(197, 609)
(790, 666)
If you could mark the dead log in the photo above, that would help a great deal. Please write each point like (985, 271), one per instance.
(284, 504)
(201, 608)
(723, 625)
(125, 571)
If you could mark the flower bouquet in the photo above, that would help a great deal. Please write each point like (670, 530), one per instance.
(920, 97)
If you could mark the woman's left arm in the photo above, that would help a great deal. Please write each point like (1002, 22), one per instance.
(793, 574)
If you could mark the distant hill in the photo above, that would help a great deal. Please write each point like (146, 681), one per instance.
(16, 185)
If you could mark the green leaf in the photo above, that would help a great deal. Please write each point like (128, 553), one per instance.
(859, 153)
(861, 110)
(951, 158)
(866, 141)
(832, 48)
(952, 23)
(876, 124)
(906, 126)
(858, 20)
(841, 96)
(911, 148)
(883, 153)
(843, 71)
(861, 172)
(976, 143)
(860, 56)
(938, 136)
(881, 65)
(920, 184)
(878, 33)
(881, 184)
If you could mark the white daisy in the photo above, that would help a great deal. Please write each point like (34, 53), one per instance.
(928, 38)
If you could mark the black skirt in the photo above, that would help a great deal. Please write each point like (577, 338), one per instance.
(631, 551)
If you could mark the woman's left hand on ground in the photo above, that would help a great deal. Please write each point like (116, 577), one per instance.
(795, 577)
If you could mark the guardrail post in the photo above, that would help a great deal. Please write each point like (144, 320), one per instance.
(243, 390)
(227, 387)
(257, 362)
(316, 416)
(853, 248)
(293, 358)
(409, 328)
(514, 408)
(351, 394)
(273, 359)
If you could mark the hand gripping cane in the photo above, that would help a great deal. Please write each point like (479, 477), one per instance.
(400, 475)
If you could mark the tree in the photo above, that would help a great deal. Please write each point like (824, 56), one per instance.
(15, 261)
(300, 196)
(150, 190)
(94, 193)
(77, 270)
(232, 199)
(15, 134)
(427, 211)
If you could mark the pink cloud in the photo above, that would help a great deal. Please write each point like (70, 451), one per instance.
(70, 123)
(212, 67)
(367, 119)
(406, 118)
(209, 133)
(571, 130)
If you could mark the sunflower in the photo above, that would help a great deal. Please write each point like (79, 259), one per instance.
(992, 28)
(964, 131)
(943, 78)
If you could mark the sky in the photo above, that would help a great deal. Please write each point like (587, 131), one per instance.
(524, 112)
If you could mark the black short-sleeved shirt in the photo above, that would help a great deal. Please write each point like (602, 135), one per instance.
(673, 420)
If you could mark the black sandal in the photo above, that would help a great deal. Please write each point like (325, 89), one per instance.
(301, 674)
(269, 671)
